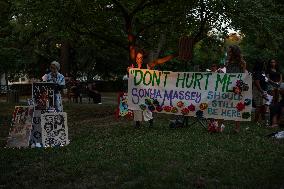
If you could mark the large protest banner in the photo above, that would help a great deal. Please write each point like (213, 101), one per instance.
(211, 95)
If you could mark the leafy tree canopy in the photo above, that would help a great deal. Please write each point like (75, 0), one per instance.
(98, 37)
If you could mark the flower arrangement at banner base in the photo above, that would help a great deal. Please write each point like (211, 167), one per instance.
(180, 107)
(129, 115)
(214, 127)
(238, 89)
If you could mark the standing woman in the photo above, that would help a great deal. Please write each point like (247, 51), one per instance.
(235, 64)
(275, 79)
(259, 91)
(55, 77)
(139, 115)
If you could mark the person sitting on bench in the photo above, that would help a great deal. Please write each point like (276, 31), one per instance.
(94, 93)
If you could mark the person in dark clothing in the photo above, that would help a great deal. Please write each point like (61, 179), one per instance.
(277, 110)
(260, 87)
(275, 79)
(94, 94)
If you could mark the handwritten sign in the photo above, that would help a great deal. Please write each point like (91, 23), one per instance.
(204, 94)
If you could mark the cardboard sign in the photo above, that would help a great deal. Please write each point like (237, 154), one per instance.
(36, 135)
(19, 135)
(54, 129)
(22, 114)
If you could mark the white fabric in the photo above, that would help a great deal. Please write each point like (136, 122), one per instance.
(140, 115)
(148, 115)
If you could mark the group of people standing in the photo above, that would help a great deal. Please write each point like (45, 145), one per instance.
(268, 87)
(267, 80)
(234, 64)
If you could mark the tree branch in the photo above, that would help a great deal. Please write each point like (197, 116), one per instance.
(123, 9)
(142, 5)
(161, 60)
(32, 36)
(203, 21)
(102, 37)
(157, 22)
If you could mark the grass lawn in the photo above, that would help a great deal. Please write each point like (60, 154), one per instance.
(106, 153)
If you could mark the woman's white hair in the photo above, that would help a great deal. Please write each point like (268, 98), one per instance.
(56, 64)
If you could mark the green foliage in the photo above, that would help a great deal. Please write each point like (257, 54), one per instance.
(209, 51)
(97, 35)
(11, 58)
(263, 31)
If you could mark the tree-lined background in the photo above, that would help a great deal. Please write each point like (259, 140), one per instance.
(97, 37)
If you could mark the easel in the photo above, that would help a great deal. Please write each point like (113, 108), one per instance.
(200, 120)
(183, 121)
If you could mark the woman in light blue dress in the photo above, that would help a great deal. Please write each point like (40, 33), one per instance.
(55, 77)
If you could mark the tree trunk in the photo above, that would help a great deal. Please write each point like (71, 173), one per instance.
(131, 39)
(65, 57)
(132, 48)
